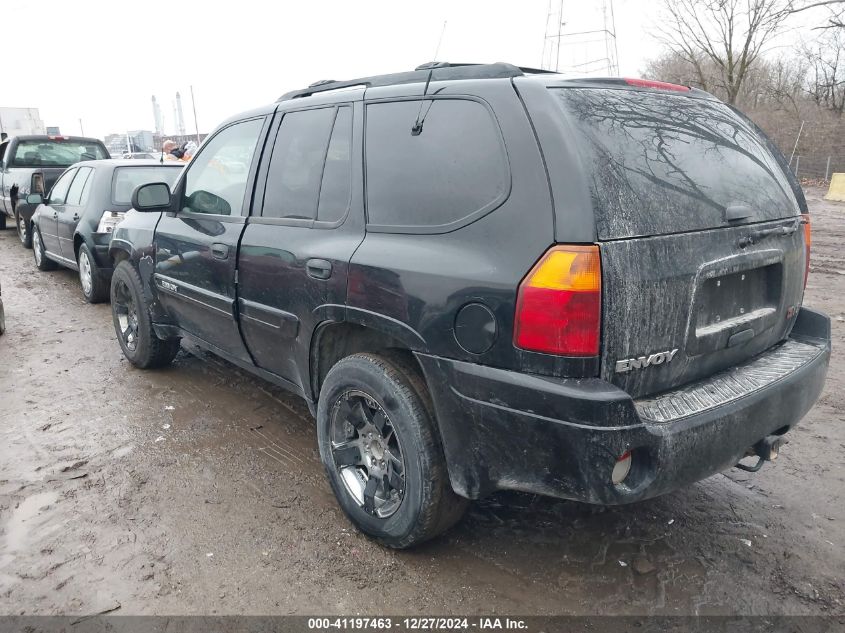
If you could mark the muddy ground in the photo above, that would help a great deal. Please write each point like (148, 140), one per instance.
(198, 490)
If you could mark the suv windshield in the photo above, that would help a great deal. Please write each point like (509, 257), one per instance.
(659, 163)
(57, 153)
(126, 179)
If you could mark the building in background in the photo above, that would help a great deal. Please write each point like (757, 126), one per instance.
(131, 141)
(19, 121)
(159, 125)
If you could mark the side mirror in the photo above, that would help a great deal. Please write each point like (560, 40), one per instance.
(153, 196)
(34, 199)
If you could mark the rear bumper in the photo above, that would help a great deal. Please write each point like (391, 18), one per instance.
(101, 254)
(561, 437)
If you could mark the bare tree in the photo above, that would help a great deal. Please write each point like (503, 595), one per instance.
(826, 77)
(730, 34)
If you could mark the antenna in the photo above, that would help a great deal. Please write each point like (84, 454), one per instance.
(417, 127)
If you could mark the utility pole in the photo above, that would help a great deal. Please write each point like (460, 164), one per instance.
(194, 106)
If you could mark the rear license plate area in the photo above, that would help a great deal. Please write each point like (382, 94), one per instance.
(743, 302)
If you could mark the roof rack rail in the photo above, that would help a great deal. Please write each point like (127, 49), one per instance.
(440, 71)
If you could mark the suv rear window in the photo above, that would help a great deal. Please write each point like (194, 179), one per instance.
(126, 179)
(660, 163)
(452, 172)
(56, 153)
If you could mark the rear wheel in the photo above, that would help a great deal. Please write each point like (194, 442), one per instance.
(132, 322)
(382, 453)
(94, 287)
(24, 232)
(42, 262)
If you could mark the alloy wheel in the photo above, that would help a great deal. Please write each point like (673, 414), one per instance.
(37, 249)
(127, 315)
(85, 272)
(367, 454)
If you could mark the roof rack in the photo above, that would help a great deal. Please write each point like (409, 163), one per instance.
(440, 71)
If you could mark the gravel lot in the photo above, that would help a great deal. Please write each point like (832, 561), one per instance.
(198, 490)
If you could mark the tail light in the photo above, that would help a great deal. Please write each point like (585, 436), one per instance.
(805, 220)
(657, 85)
(558, 307)
(109, 220)
(36, 185)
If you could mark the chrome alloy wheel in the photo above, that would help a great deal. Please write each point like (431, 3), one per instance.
(127, 315)
(37, 248)
(367, 454)
(22, 229)
(85, 273)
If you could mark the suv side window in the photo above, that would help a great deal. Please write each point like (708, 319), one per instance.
(453, 172)
(336, 188)
(296, 166)
(58, 194)
(216, 179)
(80, 186)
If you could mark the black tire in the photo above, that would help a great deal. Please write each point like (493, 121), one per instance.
(2, 220)
(42, 262)
(24, 230)
(96, 290)
(428, 504)
(133, 324)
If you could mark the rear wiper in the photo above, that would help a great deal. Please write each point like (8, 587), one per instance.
(758, 236)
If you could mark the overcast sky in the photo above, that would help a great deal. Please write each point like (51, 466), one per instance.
(102, 60)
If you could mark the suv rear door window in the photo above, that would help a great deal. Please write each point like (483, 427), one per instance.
(336, 186)
(661, 163)
(296, 167)
(454, 171)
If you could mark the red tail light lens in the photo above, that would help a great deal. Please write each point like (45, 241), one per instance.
(658, 85)
(558, 307)
(805, 219)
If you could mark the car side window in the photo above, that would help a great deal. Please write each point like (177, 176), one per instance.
(453, 171)
(336, 187)
(58, 194)
(78, 190)
(216, 179)
(296, 166)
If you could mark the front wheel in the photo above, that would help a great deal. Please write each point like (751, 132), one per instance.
(42, 262)
(132, 322)
(382, 452)
(24, 232)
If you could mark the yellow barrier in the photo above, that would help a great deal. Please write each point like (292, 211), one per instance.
(836, 193)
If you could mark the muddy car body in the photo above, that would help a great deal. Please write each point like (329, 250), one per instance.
(481, 278)
(72, 226)
(30, 165)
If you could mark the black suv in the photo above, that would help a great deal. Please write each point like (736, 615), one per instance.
(482, 277)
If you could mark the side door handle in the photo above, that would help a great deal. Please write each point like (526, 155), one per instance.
(76, 217)
(220, 251)
(318, 268)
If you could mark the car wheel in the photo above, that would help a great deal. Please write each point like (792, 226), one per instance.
(2, 221)
(24, 232)
(132, 322)
(42, 262)
(380, 447)
(94, 288)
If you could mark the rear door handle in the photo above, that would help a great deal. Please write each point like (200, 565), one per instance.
(220, 251)
(318, 268)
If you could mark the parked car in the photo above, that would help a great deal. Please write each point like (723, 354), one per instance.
(31, 164)
(586, 289)
(73, 226)
(2, 314)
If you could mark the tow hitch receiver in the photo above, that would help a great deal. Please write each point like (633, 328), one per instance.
(766, 450)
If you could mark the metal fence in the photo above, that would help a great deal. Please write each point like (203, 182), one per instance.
(817, 167)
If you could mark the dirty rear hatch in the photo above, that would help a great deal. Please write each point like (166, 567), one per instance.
(702, 250)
